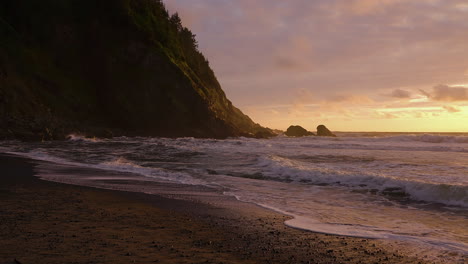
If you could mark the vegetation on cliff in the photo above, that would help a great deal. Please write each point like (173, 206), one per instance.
(107, 67)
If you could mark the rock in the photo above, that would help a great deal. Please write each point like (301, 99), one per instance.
(264, 134)
(297, 131)
(132, 89)
(322, 131)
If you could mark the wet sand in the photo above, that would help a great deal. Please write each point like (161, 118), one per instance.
(48, 222)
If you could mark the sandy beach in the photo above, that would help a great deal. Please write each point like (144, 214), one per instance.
(183, 131)
(49, 222)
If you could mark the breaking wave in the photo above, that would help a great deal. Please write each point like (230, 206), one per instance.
(118, 165)
(427, 138)
(288, 170)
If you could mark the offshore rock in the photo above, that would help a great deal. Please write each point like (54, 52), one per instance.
(297, 131)
(322, 131)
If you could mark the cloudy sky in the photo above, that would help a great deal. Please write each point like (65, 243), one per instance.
(353, 65)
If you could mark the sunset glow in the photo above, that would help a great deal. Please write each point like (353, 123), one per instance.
(234, 131)
(353, 65)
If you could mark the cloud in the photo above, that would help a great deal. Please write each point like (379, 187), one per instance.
(302, 104)
(287, 63)
(304, 96)
(349, 99)
(401, 94)
(447, 93)
(419, 114)
(462, 6)
(451, 109)
(385, 115)
(274, 112)
(263, 51)
(363, 7)
(345, 105)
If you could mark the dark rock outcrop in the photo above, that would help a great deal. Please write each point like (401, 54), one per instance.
(107, 67)
(297, 131)
(264, 134)
(322, 131)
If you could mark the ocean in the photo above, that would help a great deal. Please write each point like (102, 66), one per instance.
(405, 187)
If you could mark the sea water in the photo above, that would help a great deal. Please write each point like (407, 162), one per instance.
(398, 186)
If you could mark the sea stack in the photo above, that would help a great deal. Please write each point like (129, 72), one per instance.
(297, 131)
(323, 131)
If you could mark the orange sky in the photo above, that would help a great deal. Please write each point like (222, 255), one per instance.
(353, 65)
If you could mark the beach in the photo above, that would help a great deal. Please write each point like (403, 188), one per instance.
(49, 222)
(154, 131)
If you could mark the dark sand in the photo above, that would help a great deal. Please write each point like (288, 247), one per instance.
(48, 222)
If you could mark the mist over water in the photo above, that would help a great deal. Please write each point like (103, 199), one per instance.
(409, 187)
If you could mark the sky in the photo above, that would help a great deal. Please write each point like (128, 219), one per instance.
(352, 65)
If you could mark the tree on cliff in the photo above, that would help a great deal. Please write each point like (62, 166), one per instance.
(122, 66)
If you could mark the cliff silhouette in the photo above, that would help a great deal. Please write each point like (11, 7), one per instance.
(108, 68)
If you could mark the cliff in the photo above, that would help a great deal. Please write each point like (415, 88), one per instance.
(107, 67)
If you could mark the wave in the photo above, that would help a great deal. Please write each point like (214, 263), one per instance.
(400, 143)
(402, 147)
(283, 159)
(427, 138)
(81, 138)
(118, 164)
(123, 165)
(284, 169)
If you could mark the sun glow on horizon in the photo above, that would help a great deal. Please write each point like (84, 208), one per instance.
(352, 75)
(421, 115)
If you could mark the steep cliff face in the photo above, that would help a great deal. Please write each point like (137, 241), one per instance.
(107, 67)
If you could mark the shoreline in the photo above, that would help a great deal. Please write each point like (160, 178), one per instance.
(50, 222)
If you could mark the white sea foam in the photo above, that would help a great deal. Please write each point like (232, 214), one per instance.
(75, 137)
(428, 138)
(407, 137)
(118, 165)
(357, 184)
(284, 169)
(405, 142)
(43, 156)
(122, 165)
